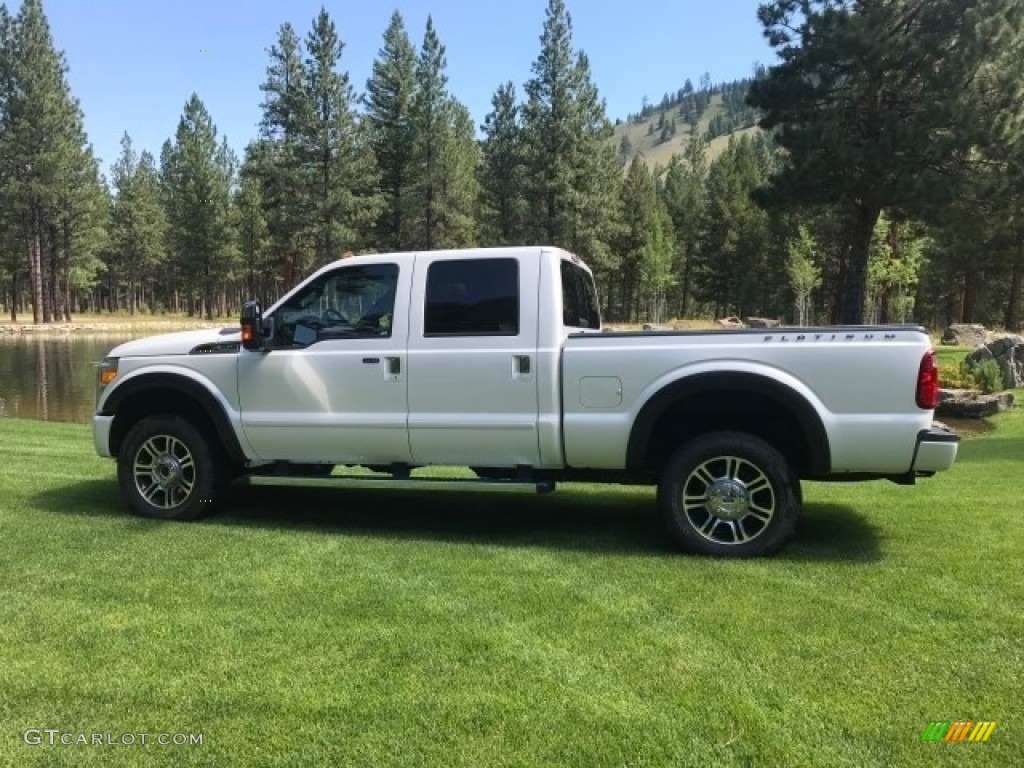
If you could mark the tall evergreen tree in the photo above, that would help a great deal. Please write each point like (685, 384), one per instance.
(285, 181)
(572, 170)
(138, 226)
(197, 175)
(335, 148)
(684, 192)
(874, 103)
(39, 140)
(502, 170)
(645, 246)
(388, 99)
(250, 224)
(80, 221)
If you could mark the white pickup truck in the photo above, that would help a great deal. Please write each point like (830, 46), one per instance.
(495, 359)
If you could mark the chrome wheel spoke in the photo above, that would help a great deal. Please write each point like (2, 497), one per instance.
(165, 471)
(728, 500)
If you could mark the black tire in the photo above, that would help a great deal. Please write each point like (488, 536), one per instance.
(168, 470)
(729, 494)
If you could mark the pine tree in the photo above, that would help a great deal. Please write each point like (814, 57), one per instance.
(138, 226)
(685, 196)
(502, 171)
(443, 178)
(197, 177)
(389, 94)
(78, 224)
(572, 169)
(285, 181)
(334, 152)
(645, 245)
(250, 224)
(39, 139)
(876, 107)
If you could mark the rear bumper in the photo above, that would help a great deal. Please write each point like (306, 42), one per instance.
(101, 425)
(935, 450)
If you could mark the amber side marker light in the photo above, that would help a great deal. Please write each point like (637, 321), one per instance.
(108, 371)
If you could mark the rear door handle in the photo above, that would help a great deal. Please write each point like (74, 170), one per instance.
(522, 364)
(394, 366)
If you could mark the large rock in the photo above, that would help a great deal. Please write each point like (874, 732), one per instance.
(965, 335)
(971, 404)
(762, 322)
(1008, 352)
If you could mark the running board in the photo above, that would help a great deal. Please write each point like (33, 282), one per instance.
(426, 483)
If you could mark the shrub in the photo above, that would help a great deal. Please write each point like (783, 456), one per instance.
(955, 376)
(987, 376)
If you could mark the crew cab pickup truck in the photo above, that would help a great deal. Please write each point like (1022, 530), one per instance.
(495, 359)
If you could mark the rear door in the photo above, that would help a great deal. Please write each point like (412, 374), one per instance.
(473, 397)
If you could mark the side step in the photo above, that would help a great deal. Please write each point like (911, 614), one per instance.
(406, 483)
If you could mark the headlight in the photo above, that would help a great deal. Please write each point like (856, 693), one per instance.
(105, 373)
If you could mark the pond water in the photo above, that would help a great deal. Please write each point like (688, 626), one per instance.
(51, 377)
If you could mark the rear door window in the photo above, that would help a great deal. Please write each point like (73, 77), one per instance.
(472, 297)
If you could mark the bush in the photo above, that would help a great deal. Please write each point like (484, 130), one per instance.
(955, 376)
(987, 376)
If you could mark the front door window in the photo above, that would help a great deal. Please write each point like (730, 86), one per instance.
(351, 302)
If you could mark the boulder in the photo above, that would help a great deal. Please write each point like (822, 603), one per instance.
(730, 322)
(971, 404)
(965, 335)
(1008, 352)
(762, 322)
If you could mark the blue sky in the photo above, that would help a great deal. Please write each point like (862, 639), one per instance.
(134, 63)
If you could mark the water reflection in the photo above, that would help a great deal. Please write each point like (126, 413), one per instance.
(51, 377)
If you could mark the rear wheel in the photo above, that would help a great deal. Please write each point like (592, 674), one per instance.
(729, 494)
(168, 470)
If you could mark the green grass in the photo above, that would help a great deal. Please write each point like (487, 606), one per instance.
(367, 628)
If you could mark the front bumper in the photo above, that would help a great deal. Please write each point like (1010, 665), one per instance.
(101, 425)
(935, 450)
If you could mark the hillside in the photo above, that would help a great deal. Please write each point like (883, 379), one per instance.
(645, 136)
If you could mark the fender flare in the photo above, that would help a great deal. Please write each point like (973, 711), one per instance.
(189, 387)
(819, 458)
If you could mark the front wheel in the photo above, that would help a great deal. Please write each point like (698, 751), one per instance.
(729, 494)
(168, 470)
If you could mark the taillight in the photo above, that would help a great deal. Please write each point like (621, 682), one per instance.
(928, 382)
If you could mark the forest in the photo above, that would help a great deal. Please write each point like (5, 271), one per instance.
(873, 173)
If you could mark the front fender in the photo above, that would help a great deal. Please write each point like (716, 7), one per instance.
(223, 415)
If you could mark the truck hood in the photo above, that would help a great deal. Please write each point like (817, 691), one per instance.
(180, 343)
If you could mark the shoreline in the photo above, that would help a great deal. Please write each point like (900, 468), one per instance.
(111, 327)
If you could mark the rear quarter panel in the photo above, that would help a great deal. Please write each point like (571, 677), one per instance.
(861, 381)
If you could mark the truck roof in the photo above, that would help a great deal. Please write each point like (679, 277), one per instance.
(517, 251)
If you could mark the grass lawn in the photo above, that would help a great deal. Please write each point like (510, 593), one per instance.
(374, 628)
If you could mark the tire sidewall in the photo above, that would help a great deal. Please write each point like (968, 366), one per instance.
(769, 461)
(200, 500)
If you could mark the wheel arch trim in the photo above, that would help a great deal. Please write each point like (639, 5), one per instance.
(193, 387)
(764, 383)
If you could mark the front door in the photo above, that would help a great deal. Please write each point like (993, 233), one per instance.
(473, 397)
(333, 386)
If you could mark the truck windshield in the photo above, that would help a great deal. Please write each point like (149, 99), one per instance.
(579, 298)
